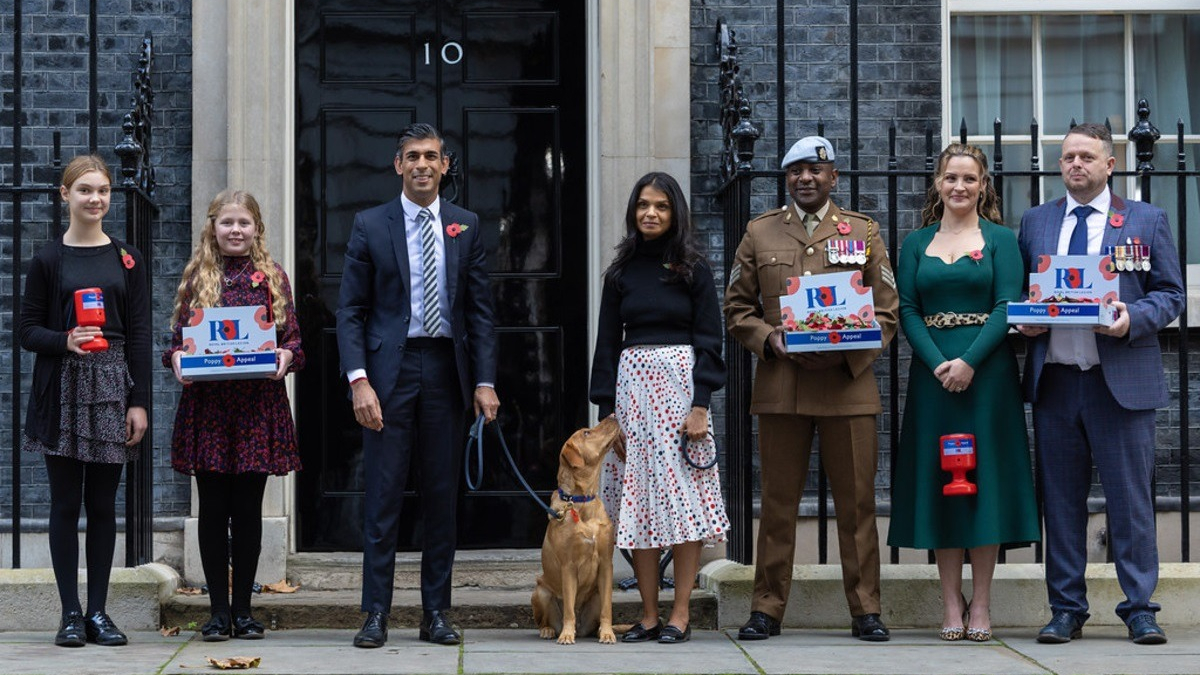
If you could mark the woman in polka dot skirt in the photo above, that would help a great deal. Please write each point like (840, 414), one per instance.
(657, 362)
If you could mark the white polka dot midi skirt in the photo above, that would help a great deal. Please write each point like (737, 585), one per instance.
(655, 498)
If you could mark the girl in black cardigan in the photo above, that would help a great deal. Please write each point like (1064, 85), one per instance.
(87, 409)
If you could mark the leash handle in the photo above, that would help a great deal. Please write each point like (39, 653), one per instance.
(683, 448)
(476, 436)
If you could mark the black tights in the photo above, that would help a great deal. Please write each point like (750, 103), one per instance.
(230, 505)
(75, 484)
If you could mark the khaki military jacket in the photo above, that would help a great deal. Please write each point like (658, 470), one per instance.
(775, 247)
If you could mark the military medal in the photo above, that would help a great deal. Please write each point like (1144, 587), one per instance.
(831, 252)
(861, 254)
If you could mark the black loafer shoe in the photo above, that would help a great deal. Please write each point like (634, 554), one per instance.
(759, 627)
(101, 630)
(640, 633)
(373, 632)
(247, 628)
(435, 628)
(216, 629)
(1063, 627)
(672, 635)
(869, 627)
(71, 632)
(1144, 630)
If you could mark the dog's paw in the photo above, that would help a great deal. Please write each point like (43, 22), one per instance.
(566, 638)
(607, 637)
(547, 633)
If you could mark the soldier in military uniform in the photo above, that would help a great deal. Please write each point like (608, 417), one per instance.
(833, 394)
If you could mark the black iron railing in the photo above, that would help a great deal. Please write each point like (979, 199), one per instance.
(136, 188)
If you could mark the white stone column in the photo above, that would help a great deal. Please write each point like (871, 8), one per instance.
(243, 137)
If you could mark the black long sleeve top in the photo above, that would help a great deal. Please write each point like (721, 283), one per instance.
(644, 308)
(47, 312)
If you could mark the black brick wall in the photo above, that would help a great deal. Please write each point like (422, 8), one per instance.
(55, 98)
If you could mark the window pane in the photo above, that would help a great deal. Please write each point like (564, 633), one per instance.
(1083, 71)
(1160, 45)
(1165, 192)
(991, 71)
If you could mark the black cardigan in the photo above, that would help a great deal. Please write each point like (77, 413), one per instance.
(43, 331)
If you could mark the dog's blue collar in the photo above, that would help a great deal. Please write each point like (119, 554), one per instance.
(574, 499)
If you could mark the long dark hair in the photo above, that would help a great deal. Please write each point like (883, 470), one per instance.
(682, 252)
(988, 206)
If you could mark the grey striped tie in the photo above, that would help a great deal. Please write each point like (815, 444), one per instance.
(432, 316)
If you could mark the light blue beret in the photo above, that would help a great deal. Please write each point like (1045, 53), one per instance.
(808, 149)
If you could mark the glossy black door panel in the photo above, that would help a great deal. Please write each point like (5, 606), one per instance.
(504, 81)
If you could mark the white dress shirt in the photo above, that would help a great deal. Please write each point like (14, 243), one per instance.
(1076, 345)
(416, 292)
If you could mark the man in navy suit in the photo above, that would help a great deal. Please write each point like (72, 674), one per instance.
(1094, 393)
(415, 332)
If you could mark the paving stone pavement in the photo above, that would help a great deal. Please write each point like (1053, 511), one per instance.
(1103, 651)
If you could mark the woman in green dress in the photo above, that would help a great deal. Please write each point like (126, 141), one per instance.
(956, 276)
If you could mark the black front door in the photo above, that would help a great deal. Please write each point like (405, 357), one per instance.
(504, 82)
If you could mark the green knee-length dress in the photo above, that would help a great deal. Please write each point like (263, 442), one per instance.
(1004, 510)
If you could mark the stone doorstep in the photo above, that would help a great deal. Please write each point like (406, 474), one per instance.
(135, 595)
(495, 568)
(472, 607)
(911, 595)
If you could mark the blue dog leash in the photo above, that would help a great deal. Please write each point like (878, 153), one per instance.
(476, 436)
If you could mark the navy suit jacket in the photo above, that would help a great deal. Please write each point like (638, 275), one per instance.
(1132, 365)
(374, 306)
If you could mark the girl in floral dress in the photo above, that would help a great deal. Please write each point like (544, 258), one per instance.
(657, 362)
(232, 434)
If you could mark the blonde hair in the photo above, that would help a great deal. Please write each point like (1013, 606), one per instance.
(988, 206)
(202, 277)
(82, 164)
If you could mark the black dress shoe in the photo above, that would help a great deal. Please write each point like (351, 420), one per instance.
(248, 628)
(759, 627)
(373, 632)
(71, 632)
(435, 628)
(672, 635)
(216, 629)
(1144, 630)
(101, 630)
(640, 633)
(1063, 627)
(869, 627)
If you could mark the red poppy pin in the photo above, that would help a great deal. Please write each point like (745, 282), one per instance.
(126, 259)
(976, 255)
(257, 278)
(1115, 219)
(455, 229)
(843, 228)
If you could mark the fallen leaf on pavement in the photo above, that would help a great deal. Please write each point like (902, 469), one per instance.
(235, 662)
(281, 586)
(187, 590)
(169, 632)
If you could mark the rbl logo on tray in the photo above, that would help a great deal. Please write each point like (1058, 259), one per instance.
(225, 329)
(823, 296)
(1070, 277)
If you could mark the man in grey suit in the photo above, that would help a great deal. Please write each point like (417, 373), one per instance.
(1094, 393)
(415, 332)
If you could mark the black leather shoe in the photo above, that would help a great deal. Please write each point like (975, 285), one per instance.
(373, 632)
(1063, 627)
(1144, 630)
(640, 633)
(759, 627)
(435, 628)
(869, 627)
(216, 629)
(71, 632)
(672, 635)
(101, 630)
(247, 628)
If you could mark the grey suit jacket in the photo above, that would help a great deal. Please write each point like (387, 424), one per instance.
(1132, 365)
(374, 305)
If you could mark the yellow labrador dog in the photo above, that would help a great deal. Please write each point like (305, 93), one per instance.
(574, 593)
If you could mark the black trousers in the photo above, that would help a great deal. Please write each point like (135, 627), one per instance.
(230, 530)
(422, 426)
